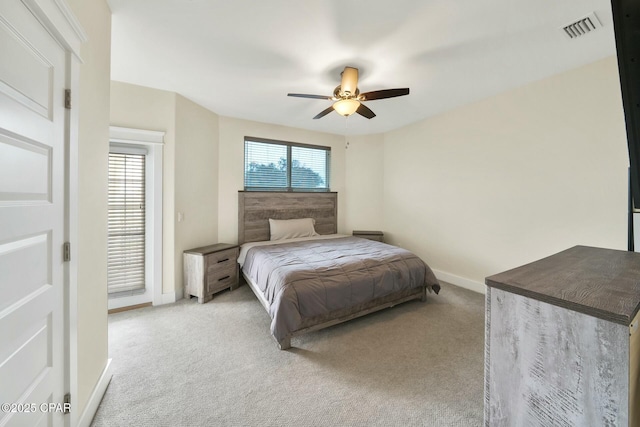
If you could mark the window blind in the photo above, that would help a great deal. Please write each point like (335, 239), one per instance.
(265, 165)
(279, 165)
(309, 167)
(126, 223)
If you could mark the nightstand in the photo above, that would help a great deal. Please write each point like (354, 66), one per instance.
(378, 236)
(210, 269)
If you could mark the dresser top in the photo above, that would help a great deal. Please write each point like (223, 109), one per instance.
(211, 249)
(603, 283)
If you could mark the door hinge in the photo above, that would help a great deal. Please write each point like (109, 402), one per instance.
(66, 407)
(66, 257)
(67, 99)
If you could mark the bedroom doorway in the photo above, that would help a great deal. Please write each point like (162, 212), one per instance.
(134, 253)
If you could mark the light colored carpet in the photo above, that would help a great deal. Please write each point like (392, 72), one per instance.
(185, 364)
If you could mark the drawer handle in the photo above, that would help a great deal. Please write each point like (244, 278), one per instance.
(223, 278)
(223, 260)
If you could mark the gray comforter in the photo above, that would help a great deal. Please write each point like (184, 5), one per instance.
(308, 279)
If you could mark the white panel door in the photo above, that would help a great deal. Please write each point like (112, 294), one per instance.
(32, 208)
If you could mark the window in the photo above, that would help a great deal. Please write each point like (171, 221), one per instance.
(126, 222)
(285, 166)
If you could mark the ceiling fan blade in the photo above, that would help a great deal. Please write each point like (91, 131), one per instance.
(365, 111)
(349, 80)
(382, 94)
(323, 113)
(304, 95)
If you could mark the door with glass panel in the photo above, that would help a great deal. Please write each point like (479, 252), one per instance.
(127, 219)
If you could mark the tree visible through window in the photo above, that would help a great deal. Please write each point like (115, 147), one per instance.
(277, 165)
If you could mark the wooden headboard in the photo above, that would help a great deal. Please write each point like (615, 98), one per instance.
(256, 207)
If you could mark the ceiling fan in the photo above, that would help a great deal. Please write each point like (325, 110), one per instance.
(348, 99)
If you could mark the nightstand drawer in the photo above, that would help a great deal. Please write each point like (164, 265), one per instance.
(222, 279)
(221, 260)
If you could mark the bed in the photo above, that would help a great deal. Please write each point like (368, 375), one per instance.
(313, 282)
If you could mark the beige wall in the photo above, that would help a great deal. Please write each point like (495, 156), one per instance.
(196, 175)
(364, 180)
(190, 171)
(512, 178)
(93, 143)
(474, 191)
(231, 166)
(145, 108)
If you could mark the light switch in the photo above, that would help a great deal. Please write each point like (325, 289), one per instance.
(180, 217)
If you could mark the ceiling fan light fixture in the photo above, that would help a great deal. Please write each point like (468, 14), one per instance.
(346, 107)
(347, 98)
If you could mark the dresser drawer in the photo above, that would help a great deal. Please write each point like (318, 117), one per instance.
(223, 278)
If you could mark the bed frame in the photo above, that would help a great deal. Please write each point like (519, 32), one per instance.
(254, 211)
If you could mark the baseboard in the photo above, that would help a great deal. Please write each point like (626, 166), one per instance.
(115, 303)
(168, 298)
(128, 308)
(460, 281)
(171, 297)
(96, 396)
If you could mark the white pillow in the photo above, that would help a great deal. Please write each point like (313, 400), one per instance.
(290, 228)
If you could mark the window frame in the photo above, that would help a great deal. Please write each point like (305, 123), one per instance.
(289, 145)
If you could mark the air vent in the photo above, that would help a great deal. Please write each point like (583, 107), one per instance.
(582, 26)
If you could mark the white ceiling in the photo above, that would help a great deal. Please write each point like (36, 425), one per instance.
(240, 58)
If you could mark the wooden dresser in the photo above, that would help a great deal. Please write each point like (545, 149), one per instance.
(210, 269)
(562, 345)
